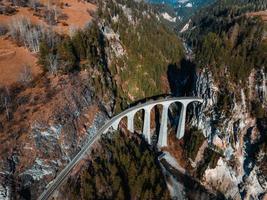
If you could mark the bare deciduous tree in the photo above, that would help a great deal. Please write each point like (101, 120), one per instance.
(53, 63)
(3, 29)
(25, 76)
(73, 30)
(19, 2)
(5, 100)
(52, 13)
(23, 31)
(34, 4)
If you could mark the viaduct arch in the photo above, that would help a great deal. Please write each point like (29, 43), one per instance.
(147, 107)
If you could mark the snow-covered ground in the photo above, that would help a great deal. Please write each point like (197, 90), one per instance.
(172, 161)
(189, 5)
(4, 192)
(39, 170)
(177, 189)
(168, 17)
(223, 177)
(183, 1)
(186, 26)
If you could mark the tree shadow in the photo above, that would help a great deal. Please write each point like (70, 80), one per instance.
(181, 77)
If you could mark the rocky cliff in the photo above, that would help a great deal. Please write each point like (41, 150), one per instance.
(46, 125)
(103, 67)
(233, 115)
(240, 136)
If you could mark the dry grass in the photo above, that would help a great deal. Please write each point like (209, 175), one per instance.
(13, 57)
(77, 14)
(262, 14)
(12, 60)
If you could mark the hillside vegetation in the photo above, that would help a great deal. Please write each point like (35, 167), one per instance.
(120, 56)
(231, 43)
(227, 40)
(147, 48)
(123, 168)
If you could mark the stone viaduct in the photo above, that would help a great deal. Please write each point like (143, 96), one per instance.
(147, 107)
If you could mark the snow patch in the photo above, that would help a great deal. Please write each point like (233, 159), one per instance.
(183, 1)
(172, 161)
(223, 179)
(185, 28)
(127, 12)
(114, 40)
(217, 141)
(189, 5)
(253, 186)
(177, 190)
(99, 120)
(4, 192)
(48, 132)
(168, 17)
(39, 170)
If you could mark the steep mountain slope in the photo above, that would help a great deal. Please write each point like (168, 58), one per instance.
(122, 168)
(87, 76)
(180, 9)
(230, 51)
(125, 54)
(124, 39)
(19, 47)
(229, 48)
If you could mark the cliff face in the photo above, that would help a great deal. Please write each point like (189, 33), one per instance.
(233, 130)
(181, 9)
(232, 81)
(117, 59)
(229, 161)
(47, 125)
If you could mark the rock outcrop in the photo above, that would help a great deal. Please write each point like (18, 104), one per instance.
(234, 130)
(61, 113)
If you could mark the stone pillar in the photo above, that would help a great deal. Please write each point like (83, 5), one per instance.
(181, 125)
(105, 131)
(130, 121)
(162, 140)
(146, 127)
(115, 125)
(182, 118)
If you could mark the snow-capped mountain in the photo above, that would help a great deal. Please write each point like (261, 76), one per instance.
(182, 3)
(181, 9)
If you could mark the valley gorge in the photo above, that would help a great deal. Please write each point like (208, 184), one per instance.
(128, 53)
